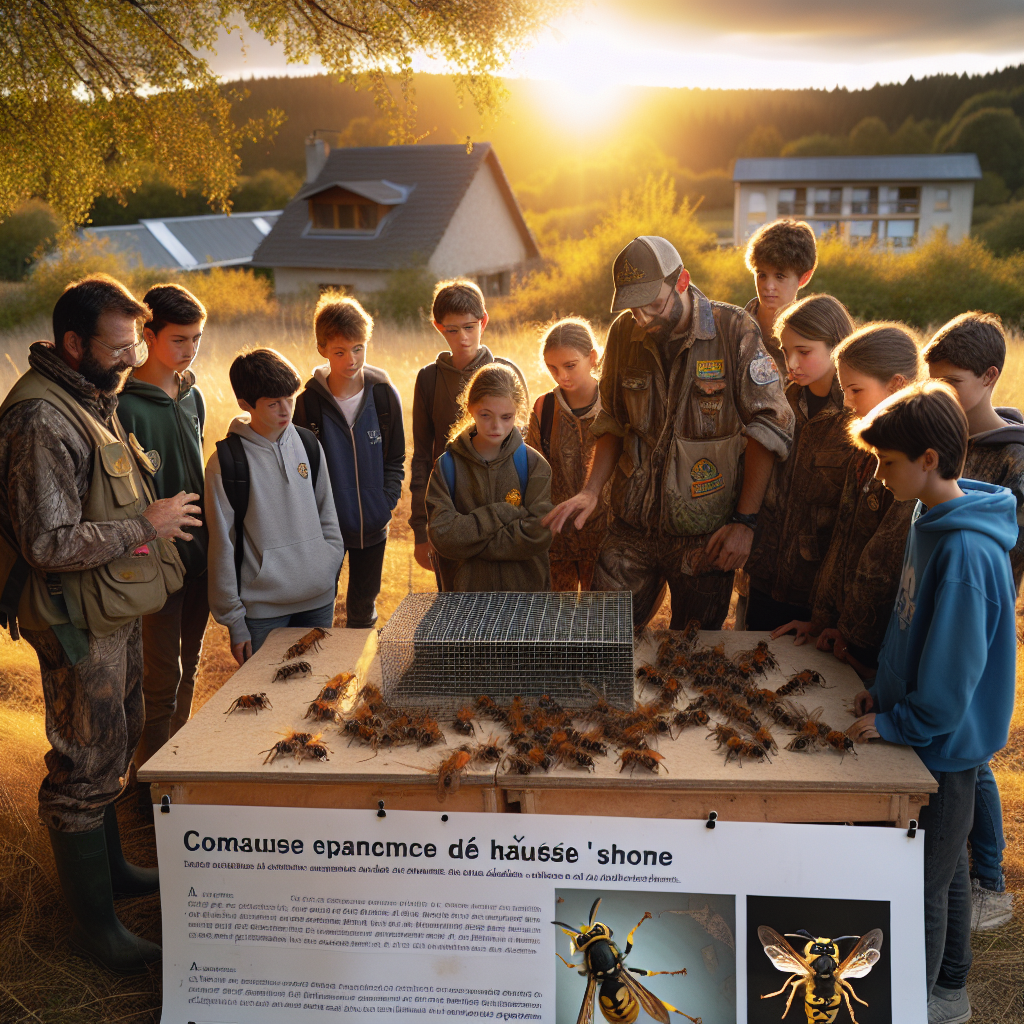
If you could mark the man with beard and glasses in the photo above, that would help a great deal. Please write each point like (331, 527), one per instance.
(84, 552)
(693, 418)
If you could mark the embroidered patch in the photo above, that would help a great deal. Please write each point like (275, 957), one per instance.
(873, 502)
(763, 370)
(710, 406)
(374, 436)
(514, 497)
(710, 369)
(303, 470)
(706, 479)
(628, 273)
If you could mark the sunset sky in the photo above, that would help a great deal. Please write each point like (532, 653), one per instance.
(738, 44)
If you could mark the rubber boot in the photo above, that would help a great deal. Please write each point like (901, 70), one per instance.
(97, 933)
(125, 879)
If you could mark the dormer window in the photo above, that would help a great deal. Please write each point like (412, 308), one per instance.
(338, 209)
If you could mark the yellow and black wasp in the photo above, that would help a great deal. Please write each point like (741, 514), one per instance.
(820, 971)
(619, 994)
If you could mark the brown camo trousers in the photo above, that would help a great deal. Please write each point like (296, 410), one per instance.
(646, 561)
(94, 717)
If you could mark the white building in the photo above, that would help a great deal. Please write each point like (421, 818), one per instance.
(366, 211)
(894, 200)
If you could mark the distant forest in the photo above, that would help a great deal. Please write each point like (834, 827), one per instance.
(701, 129)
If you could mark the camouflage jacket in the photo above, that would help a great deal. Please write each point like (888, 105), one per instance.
(997, 457)
(571, 453)
(794, 526)
(684, 426)
(860, 575)
(45, 471)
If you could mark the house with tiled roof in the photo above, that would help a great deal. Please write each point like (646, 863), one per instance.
(367, 211)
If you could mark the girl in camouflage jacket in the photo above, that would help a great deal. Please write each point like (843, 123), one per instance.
(560, 430)
(859, 576)
(485, 502)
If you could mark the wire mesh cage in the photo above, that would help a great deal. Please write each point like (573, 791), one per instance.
(442, 649)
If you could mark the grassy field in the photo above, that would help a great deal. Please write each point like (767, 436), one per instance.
(40, 981)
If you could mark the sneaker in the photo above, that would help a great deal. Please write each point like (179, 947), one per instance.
(989, 909)
(948, 1006)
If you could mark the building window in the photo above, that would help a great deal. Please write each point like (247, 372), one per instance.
(495, 284)
(901, 234)
(792, 201)
(865, 200)
(823, 227)
(863, 231)
(340, 216)
(942, 200)
(828, 200)
(757, 207)
(905, 199)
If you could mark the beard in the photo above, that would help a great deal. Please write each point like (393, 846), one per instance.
(660, 327)
(107, 379)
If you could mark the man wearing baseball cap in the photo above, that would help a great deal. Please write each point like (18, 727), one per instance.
(693, 418)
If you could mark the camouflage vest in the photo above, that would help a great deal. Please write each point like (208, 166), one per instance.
(103, 599)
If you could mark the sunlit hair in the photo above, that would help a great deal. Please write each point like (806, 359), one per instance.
(341, 316)
(494, 380)
(459, 297)
(922, 416)
(570, 332)
(816, 318)
(784, 244)
(172, 303)
(262, 373)
(881, 350)
(83, 302)
(971, 341)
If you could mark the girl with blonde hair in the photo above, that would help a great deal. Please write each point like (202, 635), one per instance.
(560, 430)
(489, 491)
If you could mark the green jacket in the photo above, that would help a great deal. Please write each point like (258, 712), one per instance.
(174, 430)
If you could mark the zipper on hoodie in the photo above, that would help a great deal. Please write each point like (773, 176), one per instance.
(355, 466)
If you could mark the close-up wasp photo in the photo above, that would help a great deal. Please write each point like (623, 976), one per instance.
(669, 979)
(831, 955)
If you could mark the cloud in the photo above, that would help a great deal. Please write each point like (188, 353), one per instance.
(992, 26)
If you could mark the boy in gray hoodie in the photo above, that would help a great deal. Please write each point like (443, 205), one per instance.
(285, 573)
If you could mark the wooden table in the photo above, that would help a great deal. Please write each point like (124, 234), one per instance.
(215, 758)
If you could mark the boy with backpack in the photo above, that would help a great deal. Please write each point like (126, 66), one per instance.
(275, 546)
(968, 354)
(460, 317)
(163, 408)
(356, 414)
(946, 672)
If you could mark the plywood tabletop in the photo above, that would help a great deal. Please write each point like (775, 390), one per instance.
(215, 746)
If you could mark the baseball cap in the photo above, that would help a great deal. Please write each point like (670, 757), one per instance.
(640, 269)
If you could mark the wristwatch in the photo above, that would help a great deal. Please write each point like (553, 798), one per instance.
(745, 520)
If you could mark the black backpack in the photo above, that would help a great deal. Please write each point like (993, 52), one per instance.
(234, 474)
(547, 416)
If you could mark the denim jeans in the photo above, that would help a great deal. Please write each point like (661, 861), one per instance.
(987, 841)
(260, 628)
(947, 884)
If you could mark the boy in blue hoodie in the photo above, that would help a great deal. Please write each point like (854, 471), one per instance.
(946, 672)
(968, 353)
(356, 414)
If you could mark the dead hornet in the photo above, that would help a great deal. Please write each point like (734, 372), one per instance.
(291, 744)
(296, 668)
(250, 702)
(800, 682)
(322, 711)
(309, 642)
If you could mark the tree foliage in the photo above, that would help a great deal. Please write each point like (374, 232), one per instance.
(92, 91)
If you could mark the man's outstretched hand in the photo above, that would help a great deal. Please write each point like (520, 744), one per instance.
(578, 508)
(169, 516)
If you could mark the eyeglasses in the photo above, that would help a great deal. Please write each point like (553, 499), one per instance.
(141, 350)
